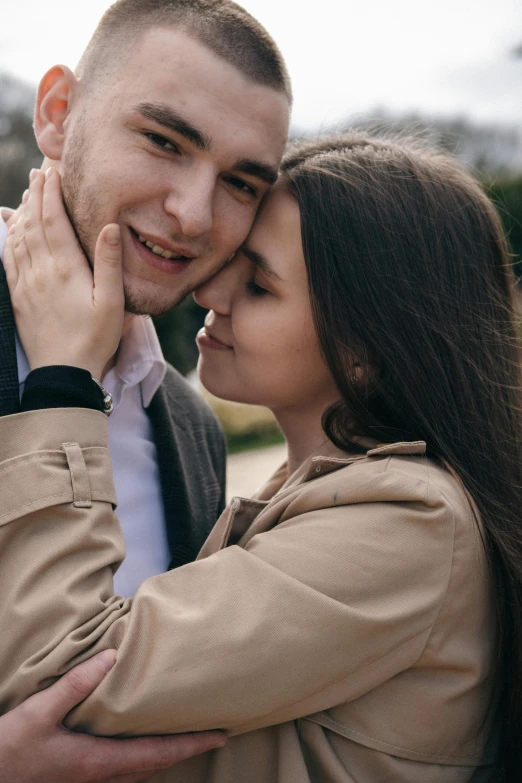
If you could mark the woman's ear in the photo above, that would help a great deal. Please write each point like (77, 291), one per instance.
(361, 375)
(356, 373)
(56, 93)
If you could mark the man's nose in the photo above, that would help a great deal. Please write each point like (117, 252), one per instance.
(191, 203)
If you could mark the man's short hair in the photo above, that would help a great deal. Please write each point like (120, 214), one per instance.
(221, 25)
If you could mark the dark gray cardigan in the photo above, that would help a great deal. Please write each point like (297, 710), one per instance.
(190, 444)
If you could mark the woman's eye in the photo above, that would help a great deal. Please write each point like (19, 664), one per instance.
(162, 142)
(254, 289)
(243, 186)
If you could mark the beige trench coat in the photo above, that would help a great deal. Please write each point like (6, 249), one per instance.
(339, 626)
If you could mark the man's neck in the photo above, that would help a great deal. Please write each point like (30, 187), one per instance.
(128, 318)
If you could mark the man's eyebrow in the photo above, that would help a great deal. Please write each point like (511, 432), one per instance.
(263, 171)
(171, 119)
(260, 261)
(164, 115)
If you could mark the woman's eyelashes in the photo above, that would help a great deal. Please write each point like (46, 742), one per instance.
(254, 289)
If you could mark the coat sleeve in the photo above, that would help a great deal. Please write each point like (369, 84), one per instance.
(315, 612)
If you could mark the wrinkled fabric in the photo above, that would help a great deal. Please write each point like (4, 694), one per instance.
(339, 625)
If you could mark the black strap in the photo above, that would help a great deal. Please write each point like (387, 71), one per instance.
(60, 386)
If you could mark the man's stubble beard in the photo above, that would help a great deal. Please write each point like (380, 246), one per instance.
(84, 211)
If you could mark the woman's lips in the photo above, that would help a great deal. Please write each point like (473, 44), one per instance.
(206, 340)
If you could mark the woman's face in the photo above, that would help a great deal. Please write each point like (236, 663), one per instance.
(259, 344)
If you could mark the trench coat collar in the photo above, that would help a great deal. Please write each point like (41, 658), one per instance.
(322, 464)
(329, 458)
(241, 513)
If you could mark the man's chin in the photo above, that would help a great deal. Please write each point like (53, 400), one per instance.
(142, 303)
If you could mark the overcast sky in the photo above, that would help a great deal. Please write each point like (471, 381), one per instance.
(346, 57)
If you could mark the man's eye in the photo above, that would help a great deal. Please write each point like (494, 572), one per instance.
(243, 186)
(162, 142)
(254, 289)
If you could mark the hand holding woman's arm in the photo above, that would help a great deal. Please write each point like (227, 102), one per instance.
(65, 313)
(57, 754)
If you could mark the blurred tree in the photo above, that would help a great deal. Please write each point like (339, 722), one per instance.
(507, 197)
(18, 155)
(177, 333)
(488, 150)
(18, 150)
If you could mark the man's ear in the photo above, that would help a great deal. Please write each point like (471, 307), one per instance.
(56, 93)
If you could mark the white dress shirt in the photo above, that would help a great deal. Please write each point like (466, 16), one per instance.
(133, 381)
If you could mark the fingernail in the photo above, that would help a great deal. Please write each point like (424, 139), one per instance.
(25, 196)
(106, 659)
(12, 229)
(32, 174)
(49, 174)
(113, 235)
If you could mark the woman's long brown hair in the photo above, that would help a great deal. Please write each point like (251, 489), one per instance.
(410, 278)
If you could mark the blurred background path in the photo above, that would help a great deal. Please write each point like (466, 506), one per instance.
(248, 470)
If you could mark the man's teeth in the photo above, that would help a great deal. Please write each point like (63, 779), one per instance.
(157, 250)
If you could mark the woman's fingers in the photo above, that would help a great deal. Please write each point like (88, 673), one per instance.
(7, 215)
(64, 315)
(31, 221)
(59, 233)
(20, 250)
(25, 236)
(108, 281)
(9, 262)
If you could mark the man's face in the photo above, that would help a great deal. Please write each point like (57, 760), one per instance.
(179, 150)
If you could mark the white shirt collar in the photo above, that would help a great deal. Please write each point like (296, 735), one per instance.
(139, 359)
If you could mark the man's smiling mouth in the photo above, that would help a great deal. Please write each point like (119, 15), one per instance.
(160, 251)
